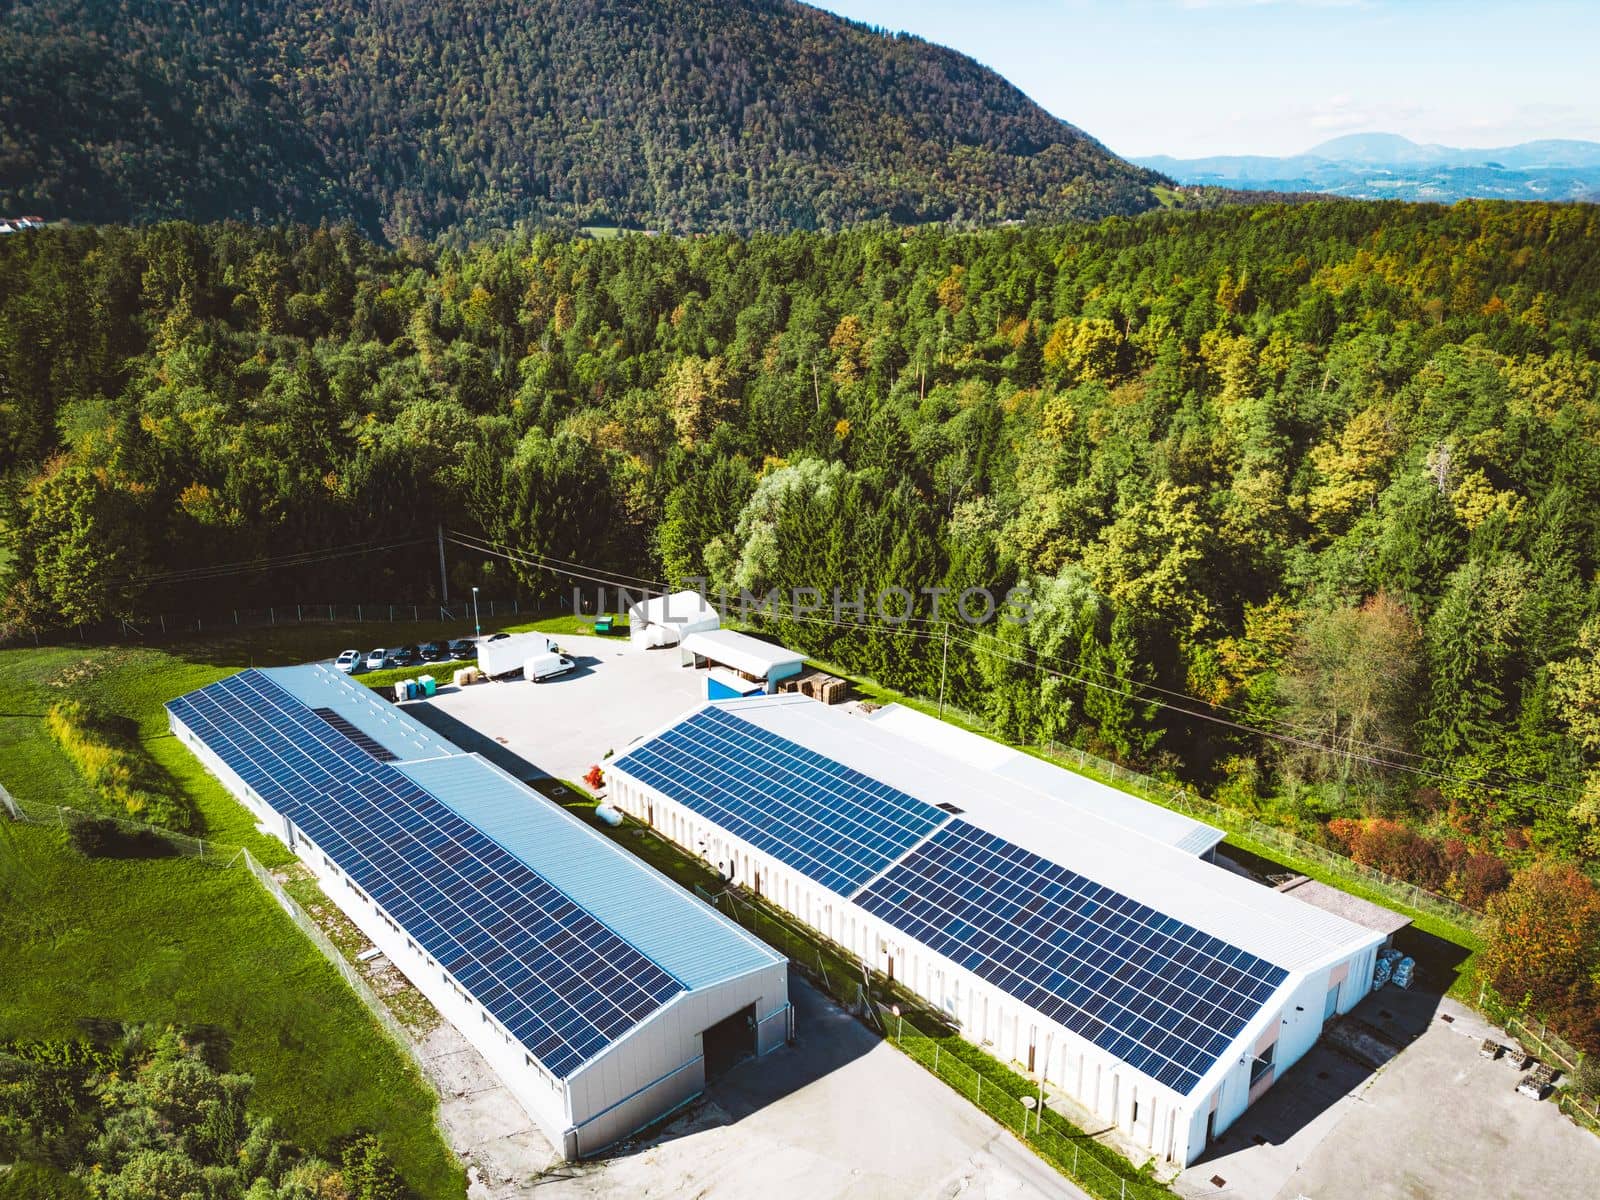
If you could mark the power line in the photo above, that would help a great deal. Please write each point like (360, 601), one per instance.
(554, 565)
(1358, 750)
(252, 567)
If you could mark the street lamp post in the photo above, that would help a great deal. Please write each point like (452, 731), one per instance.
(477, 629)
(899, 1024)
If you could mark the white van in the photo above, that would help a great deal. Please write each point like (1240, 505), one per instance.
(546, 666)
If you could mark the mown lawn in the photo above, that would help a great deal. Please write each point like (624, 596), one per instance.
(176, 940)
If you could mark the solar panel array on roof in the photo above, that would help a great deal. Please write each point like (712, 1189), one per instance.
(829, 822)
(370, 744)
(1155, 992)
(561, 982)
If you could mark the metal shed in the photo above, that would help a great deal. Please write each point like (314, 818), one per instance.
(755, 660)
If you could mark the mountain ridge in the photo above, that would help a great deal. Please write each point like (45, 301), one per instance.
(412, 118)
(1387, 166)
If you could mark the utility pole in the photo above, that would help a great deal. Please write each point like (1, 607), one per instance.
(444, 578)
(944, 662)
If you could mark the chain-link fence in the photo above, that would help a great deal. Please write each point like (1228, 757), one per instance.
(1078, 1156)
(155, 626)
(35, 813)
(851, 982)
(308, 926)
(1176, 796)
(1546, 1044)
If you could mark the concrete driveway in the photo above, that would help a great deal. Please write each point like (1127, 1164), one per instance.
(1436, 1120)
(564, 725)
(840, 1114)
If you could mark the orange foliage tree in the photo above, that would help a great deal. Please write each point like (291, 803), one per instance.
(1542, 948)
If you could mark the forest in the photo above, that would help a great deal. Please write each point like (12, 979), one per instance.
(411, 118)
(1304, 500)
(144, 1113)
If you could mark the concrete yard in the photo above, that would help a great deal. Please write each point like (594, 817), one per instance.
(1436, 1120)
(839, 1114)
(563, 726)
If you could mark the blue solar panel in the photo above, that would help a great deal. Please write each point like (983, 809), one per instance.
(1160, 995)
(832, 824)
(562, 983)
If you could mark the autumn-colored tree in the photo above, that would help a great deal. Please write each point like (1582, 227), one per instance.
(1542, 947)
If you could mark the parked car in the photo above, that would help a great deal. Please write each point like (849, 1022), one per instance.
(377, 659)
(463, 649)
(406, 656)
(432, 651)
(349, 661)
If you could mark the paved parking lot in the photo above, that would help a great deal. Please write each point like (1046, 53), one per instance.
(564, 725)
(840, 1115)
(1437, 1120)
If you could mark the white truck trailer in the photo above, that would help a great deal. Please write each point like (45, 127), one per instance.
(506, 655)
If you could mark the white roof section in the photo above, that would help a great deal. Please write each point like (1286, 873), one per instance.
(689, 609)
(1058, 783)
(318, 685)
(1268, 924)
(734, 682)
(743, 653)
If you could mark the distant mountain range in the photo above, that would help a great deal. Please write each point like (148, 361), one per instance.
(1377, 166)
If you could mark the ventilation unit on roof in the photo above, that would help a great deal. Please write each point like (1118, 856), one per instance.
(951, 809)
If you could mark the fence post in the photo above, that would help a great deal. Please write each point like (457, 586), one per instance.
(272, 616)
(235, 617)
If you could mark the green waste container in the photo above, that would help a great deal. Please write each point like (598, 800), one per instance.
(602, 624)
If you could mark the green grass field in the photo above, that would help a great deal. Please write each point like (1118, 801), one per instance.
(175, 940)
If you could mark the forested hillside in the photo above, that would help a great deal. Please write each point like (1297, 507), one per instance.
(1307, 499)
(409, 118)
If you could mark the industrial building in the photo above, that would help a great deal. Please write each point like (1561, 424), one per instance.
(1063, 925)
(602, 994)
(737, 664)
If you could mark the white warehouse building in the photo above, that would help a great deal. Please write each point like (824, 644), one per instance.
(601, 993)
(1064, 925)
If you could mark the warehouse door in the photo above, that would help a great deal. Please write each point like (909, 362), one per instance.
(729, 1042)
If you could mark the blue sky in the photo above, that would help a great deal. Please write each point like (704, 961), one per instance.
(1196, 77)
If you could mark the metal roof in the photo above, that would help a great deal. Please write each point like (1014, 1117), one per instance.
(1058, 783)
(318, 685)
(679, 933)
(1352, 908)
(740, 651)
(1268, 924)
